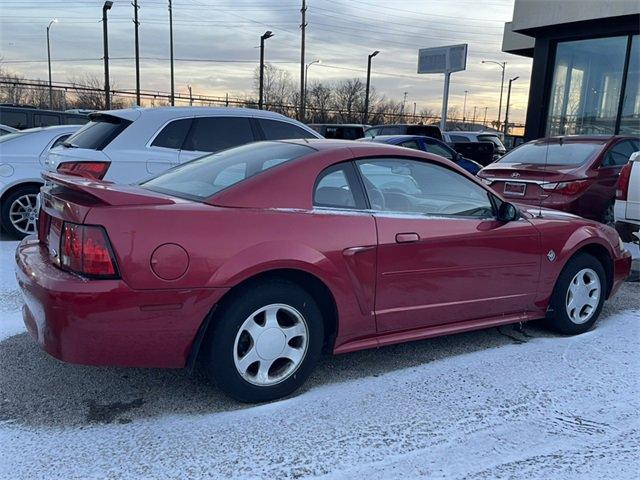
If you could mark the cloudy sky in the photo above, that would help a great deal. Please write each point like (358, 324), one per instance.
(216, 44)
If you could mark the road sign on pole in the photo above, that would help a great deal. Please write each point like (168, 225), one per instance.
(447, 59)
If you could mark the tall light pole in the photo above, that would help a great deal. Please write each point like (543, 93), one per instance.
(506, 109)
(503, 66)
(55, 20)
(263, 37)
(366, 95)
(173, 86)
(137, 49)
(484, 122)
(464, 107)
(474, 115)
(304, 91)
(303, 25)
(105, 43)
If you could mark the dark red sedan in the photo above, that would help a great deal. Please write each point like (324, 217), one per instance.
(256, 259)
(575, 174)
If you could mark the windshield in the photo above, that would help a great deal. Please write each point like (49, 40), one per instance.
(493, 139)
(565, 153)
(206, 176)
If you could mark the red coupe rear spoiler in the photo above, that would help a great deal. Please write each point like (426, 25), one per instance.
(108, 192)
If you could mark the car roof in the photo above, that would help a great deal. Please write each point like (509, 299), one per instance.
(168, 113)
(388, 138)
(52, 129)
(580, 138)
(338, 125)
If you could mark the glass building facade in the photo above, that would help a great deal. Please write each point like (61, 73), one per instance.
(595, 88)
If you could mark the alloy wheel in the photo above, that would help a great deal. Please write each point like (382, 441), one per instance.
(583, 296)
(23, 213)
(271, 345)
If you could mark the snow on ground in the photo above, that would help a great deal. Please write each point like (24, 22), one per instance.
(499, 403)
(10, 299)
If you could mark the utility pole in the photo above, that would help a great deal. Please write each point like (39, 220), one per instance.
(474, 115)
(366, 95)
(506, 109)
(137, 49)
(190, 96)
(263, 37)
(49, 61)
(484, 122)
(171, 52)
(464, 108)
(404, 101)
(105, 41)
(414, 111)
(301, 113)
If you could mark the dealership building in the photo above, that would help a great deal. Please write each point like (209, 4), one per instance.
(586, 65)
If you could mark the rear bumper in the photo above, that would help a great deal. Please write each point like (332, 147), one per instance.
(104, 322)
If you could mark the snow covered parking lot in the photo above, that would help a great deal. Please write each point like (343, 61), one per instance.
(498, 403)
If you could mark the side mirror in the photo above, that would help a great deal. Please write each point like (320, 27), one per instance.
(635, 157)
(507, 212)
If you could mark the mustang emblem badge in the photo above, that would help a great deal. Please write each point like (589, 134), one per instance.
(551, 255)
(515, 174)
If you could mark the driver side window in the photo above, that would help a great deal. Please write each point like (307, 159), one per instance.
(411, 186)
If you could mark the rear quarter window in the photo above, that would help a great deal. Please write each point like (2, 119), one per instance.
(173, 134)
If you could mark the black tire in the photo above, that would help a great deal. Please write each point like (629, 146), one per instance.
(558, 318)
(8, 202)
(608, 216)
(218, 358)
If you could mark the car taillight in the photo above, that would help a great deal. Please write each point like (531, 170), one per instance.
(85, 249)
(95, 170)
(566, 188)
(622, 188)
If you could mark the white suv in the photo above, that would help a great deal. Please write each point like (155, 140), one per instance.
(131, 145)
(627, 207)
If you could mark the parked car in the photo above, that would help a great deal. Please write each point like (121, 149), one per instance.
(457, 136)
(131, 145)
(430, 145)
(256, 259)
(21, 161)
(432, 131)
(5, 129)
(339, 131)
(627, 205)
(21, 117)
(576, 174)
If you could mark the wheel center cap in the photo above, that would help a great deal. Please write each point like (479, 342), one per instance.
(270, 344)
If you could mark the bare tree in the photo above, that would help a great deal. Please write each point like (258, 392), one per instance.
(89, 94)
(319, 102)
(280, 93)
(349, 100)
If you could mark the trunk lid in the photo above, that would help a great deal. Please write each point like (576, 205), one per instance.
(523, 180)
(68, 198)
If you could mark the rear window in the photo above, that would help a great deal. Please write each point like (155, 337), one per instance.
(14, 119)
(206, 176)
(98, 133)
(275, 130)
(493, 139)
(426, 130)
(565, 153)
(45, 120)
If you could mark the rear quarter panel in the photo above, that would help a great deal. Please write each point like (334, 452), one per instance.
(228, 245)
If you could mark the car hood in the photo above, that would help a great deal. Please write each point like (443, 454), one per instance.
(531, 212)
(528, 171)
(69, 154)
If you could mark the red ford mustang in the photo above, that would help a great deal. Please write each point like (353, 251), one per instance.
(255, 259)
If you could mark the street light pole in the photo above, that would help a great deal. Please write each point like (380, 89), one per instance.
(474, 115)
(366, 95)
(304, 91)
(506, 109)
(173, 87)
(263, 37)
(503, 66)
(137, 49)
(105, 42)
(464, 107)
(303, 25)
(49, 61)
(484, 122)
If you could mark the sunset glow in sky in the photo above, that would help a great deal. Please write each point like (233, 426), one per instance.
(216, 45)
